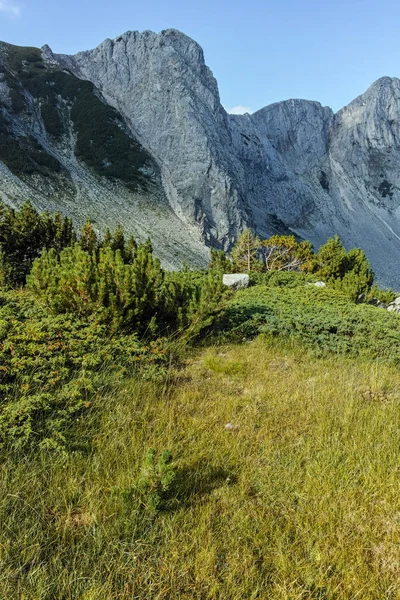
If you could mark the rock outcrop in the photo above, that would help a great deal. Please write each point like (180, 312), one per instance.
(236, 281)
(205, 175)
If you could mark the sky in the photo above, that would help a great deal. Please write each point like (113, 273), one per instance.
(259, 51)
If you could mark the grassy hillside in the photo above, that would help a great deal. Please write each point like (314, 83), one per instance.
(297, 498)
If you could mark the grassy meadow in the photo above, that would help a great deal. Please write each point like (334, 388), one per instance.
(297, 498)
(165, 438)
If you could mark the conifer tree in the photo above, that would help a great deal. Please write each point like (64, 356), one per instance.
(58, 232)
(4, 270)
(349, 272)
(118, 240)
(147, 286)
(107, 240)
(284, 253)
(244, 253)
(130, 250)
(68, 235)
(88, 240)
(219, 262)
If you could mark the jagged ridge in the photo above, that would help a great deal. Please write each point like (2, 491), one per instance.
(292, 166)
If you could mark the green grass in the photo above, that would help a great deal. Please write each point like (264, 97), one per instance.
(298, 500)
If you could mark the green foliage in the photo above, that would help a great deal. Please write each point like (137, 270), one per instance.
(349, 272)
(51, 371)
(156, 479)
(26, 156)
(298, 501)
(244, 253)
(88, 239)
(277, 253)
(52, 118)
(118, 240)
(220, 262)
(383, 295)
(5, 270)
(284, 253)
(24, 233)
(134, 296)
(281, 279)
(323, 319)
(102, 140)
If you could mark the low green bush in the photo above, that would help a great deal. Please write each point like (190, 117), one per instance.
(322, 318)
(53, 369)
(281, 279)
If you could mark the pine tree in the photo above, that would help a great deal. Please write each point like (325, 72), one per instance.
(5, 270)
(130, 250)
(118, 240)
(349, 272)
(147, 287)
(219, 262)
(330, 261)
(284, 253)
(58, 242)
(88, 240)
(244, 253)
(107, 240)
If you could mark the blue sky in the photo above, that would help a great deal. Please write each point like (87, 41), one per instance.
(260, 52)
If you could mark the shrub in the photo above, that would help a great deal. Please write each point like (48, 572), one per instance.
(349, 272)
(23, 235)
(323, 319)
(156, 479)
(53, 368)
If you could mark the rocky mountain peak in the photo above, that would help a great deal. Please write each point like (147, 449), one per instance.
(134, 130)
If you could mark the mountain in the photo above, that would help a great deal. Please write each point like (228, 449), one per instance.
(134, 132)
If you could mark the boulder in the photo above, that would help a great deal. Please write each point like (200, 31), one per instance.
(394, 306)
(236, 281)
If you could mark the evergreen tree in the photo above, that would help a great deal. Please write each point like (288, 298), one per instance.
(5, 270)
(330, 261)
(118, 240)
(219, 262)
(88, 240)
(130, 250)
(349, 272)
(147, 287)
(284, 253)
(68, 237)
(244, 253)
(25, 232)
(107, 240)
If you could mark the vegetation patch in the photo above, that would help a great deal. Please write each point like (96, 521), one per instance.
(26, 156)
(322, 319)
(297, 500)
(136, 464)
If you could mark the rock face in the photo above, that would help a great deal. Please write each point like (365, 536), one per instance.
(236, 281)
(203, 175)
(394, 306)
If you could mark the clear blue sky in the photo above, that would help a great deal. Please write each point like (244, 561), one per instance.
(260, 52)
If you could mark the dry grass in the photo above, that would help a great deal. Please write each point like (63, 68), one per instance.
(299, 499)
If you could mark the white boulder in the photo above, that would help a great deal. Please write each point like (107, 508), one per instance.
(237, 281)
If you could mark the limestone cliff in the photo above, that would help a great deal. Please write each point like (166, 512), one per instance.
(192, 175)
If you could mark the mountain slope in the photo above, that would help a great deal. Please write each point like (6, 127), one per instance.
(63, 146)
(170, 161)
